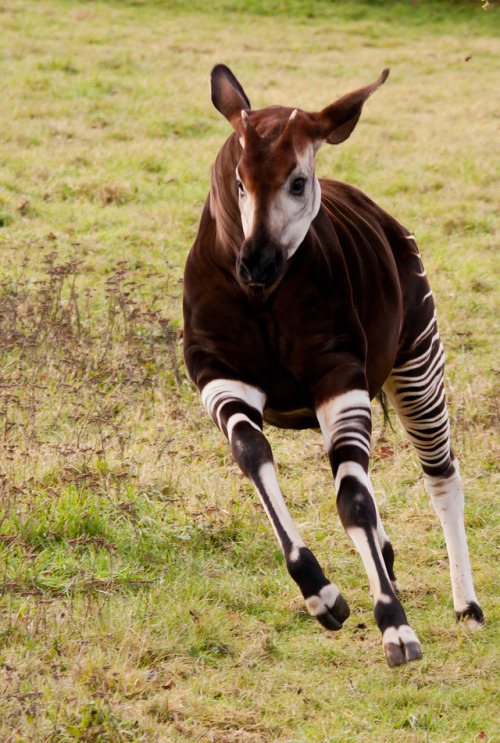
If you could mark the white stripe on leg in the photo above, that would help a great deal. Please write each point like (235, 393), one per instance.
(448, 500)
(219, 390)
(363, 546)
(346, 420)
(267, 475)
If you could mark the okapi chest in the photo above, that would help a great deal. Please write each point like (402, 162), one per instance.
(302, 300)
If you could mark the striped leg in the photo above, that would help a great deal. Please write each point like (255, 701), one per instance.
(236, 408)
(345, 422)
(416, 390)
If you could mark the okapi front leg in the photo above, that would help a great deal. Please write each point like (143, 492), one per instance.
(237, 408)
(346, 425)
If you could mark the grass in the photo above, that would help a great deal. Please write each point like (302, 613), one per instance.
(142, 594)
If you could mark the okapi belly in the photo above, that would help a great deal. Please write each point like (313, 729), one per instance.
(296, 419)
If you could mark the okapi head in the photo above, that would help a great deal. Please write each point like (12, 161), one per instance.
(274, 181)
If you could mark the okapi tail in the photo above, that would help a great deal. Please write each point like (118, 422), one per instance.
(384, 404)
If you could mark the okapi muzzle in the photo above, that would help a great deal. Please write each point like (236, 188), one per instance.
(261, 261)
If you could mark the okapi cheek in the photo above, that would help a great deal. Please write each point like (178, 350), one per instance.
(297, 222)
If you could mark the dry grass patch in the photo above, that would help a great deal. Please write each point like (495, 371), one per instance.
(143, 597)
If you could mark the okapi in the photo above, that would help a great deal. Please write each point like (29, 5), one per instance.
(302, 300)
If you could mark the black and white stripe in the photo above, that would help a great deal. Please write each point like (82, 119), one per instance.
(237, 410)
(416, 389)
(345, 422)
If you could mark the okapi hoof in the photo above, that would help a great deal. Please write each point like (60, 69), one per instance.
(473, 613)
(400, 645)
(329, 607)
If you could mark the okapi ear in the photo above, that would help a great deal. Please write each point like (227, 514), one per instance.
(228, 96)
(335, 123)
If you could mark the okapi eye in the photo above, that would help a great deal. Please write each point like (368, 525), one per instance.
(297, 187)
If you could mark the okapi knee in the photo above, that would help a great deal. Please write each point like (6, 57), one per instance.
(355, 505)
(250, 449)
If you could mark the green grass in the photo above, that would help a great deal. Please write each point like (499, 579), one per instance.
(142, 594)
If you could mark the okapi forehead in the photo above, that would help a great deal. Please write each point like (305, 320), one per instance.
(269, 122)
(266, 165)
(270, 154)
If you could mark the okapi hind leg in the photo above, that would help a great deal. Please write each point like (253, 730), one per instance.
(415, 388)
(447, 496)
(237, 409)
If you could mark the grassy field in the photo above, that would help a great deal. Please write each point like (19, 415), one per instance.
(142, 594)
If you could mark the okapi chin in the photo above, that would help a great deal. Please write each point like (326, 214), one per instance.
(302, 300)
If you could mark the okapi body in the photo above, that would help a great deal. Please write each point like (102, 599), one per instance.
(302, 300)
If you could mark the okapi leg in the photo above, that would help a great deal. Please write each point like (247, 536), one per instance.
(415, 388)
(345, 422)
(384, 543)
(236, 408)
(447, 495)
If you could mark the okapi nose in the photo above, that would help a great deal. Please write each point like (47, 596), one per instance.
(260, 268)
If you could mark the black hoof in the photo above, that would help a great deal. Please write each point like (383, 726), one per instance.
(328, 621)
(473, 612)
(397, 655)
(329, 607)
(334, 617)
(400, 645)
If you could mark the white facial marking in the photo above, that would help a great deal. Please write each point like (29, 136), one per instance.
(289, 215)
(247, 204)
